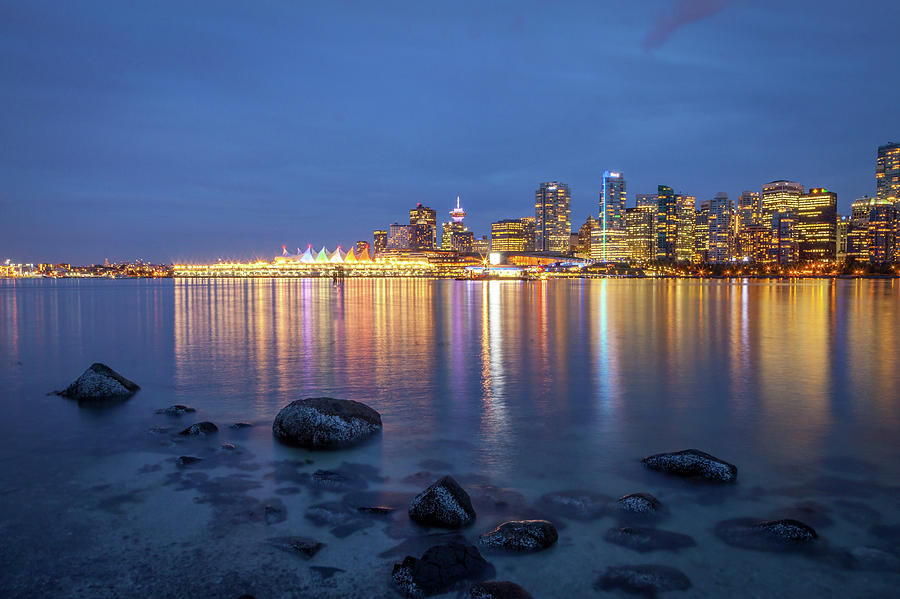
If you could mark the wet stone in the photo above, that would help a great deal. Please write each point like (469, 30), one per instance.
(200, 429)
(99, 384)
(766, 535)
(302, 546)
(187, 460)
(342, 520)
(648, 539)
(444, 504)
(440, 569)
(692, 463)
(644, 579)
(576, 505)
(338, 482)
(325, 423)
(228, 446)
(497, 590)
(639, 503)
(377, 510)
(240, 425)
(176, 410)
(325, 572)
(521, 536)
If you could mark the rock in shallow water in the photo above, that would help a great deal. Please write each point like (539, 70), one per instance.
(439, 569)
(497, 590)
(303, 546)
(325, 423)
(692, 463)
(186, 460)
(639, 503)
(766, 535)
(200, 429)
(176, 410)
(521, 535)
(100, 383)
(648, 539)
(444, 504)
(644, 579)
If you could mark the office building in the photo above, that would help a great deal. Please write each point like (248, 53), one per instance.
(685, 236)
(528, 223)
(426, 232)
(361, 248)
(552, 215)
(640, 227)
(721, 231)
(609, 236)
(747, 214)
(780, 196)
(701, 234)
(401, 237)
(887, 173)
(511, 235)
(882, 232)
(858, 229)
(843, 228)
(379, 241)
(666, 223)
(817, 225)
(784, 246)
(587, 235)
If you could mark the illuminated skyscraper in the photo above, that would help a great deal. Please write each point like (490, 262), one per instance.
(454, 235)
(780, 196)
(843, 228)
(510, 235)
(784, 246)
(748, 214)
(817, 225)
(887, 173)
(646, 199)
(426, 233)
(609, 236)
(552, 215)
(401, 237)
(666, 223)
(687, 216)
(721, 229)
(528, 224)
(882, 233)
(858, 230)
(362, 247)
(640, 225)
(379, 241)
(587, 234)
(701, 234)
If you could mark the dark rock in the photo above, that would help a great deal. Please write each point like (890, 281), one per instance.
(186, 460)
(644, 579)
(325, 572)
(444, 504)
(200, 429)
(521, 535)
(439, 569)
(648, 539)
(275, 513)
(692, 463)
(325, 423)
(577, 505)
(240, 425)
(339, 482)
(378, 510)
(766, 535)
(303, 546)
(639, 503)
(100, 383)
(342, 519)
(228, 446)
(497, 590)
(176, 410)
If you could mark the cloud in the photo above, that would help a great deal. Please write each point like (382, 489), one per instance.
(684, 12)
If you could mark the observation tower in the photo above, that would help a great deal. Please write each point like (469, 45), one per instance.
(458, 214)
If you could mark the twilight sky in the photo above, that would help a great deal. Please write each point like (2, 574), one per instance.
(180, 130)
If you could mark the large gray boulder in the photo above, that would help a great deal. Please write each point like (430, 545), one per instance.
(440, 569)
(444, 504)
(497, 589)
(100, 383)
(692, 463)
(521, 535)
(767, 535)
(325, 423)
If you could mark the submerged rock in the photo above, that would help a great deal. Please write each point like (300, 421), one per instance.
(645, 579)
(811, 512)
(692, 463)
(200, 429)
(577, 505)
(240, 425)
(176, 410)
(325, 423)
(187, 460)
(648, 539)
(766, 535)
(377, 510)
(521, 535)
(439, 569)
(639, 503)
(497, 590)
(303, 546)
(100, 383)
(342, 519)
(444, 504)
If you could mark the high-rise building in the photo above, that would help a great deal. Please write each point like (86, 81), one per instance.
(843, 228)
(457, 238)
(784, 246)
(882, 234)
(747, 215)
(887, 173)
(721, 229)
(640, 225)
(481, 245)
(646, 199)
(687, 216)
(780, 196)
(609, 236)
(858, 230)
(817, 225)
(528, 223)
(587, 234)
(666, 223)
(426, 233)
(701, 234)
(379, 241)
(552, 215)
(362, 247)
(510, 235)
(401, 237)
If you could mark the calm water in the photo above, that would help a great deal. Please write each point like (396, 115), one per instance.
(529, 387)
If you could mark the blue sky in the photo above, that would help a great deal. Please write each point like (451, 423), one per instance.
(196, 130)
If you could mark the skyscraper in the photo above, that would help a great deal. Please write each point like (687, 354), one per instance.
(401, 237)
(454, 235)
(552, 215)
(701, 233)
(780, 196)
(748, 215)
(528, 224)
(609, 235)
(720, 229)
(379, 241)
(640, 225)
(510, 235)
(817, 225)
(784, 237)
(362, 247)
(587, 234)
(426, 234)
(666, 223)
(887, 173)
(858, 229)
(882, 234)
(686, 212)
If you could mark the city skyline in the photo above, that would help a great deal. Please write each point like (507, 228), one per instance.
(229, 135)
